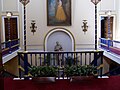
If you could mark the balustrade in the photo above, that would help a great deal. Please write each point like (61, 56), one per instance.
(58, 59)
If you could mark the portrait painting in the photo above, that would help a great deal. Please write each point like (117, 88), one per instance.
(59, 12)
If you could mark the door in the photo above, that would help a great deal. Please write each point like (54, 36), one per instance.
(105, 27)
(11, 28)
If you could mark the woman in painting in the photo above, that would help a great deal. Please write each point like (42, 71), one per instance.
(60, 14)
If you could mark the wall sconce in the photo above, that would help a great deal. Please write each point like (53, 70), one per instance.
(9, 15)
(33, 27)
(84, 27)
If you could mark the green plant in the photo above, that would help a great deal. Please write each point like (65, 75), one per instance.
(78, 70)
(43, 71)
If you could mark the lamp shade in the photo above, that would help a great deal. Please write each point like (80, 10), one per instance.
(95, 1)
(9, 14)
(108, 13)
(24, 2)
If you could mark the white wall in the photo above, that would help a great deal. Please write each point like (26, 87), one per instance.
(0, 21)
(118, 20)
(36, 10)
(108, 5)
(10, 5)
(81, 10)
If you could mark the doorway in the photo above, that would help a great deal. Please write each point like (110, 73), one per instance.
(12, 25)
(105, 27)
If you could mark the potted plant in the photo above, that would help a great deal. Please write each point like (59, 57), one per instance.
(80, 72)
(43, 73)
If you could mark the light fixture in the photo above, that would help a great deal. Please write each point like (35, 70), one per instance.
(84, 27)
(9, 14)
(108, 13)
(95, 2)
(24, 2)
(33, 27)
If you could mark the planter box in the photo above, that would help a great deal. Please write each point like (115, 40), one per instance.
(81, 78)
(44, 79)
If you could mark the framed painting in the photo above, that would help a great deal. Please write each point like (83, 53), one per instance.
(59, 12)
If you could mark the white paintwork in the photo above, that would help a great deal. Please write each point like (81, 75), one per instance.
(10, 5)
(112, 56)
(9, 56)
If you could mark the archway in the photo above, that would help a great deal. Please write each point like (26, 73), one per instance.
(63, 36)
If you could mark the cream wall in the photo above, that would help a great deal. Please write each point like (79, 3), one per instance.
(79, 13)
(118, 20)
(0, 21)
(81, 10)
(10, 5)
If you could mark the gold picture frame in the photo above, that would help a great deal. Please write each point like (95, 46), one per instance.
(58, 12)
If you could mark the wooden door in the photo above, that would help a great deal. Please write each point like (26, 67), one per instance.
(104, 28)
(111, 27)
(12, 25)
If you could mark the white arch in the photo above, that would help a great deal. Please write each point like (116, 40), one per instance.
(59, 30)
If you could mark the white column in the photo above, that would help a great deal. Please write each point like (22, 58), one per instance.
(117, 33)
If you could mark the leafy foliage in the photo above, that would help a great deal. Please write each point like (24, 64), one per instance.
(78, 70)
(43, 71)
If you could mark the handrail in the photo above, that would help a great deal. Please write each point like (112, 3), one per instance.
(55, 52)
(116, 41)
(10, 41)
(10, 46)
(110, 45)
(41, 58)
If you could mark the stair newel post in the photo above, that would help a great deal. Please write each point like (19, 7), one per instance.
(101, 69)
(95, 58)
(19, 64)
(26, 66)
